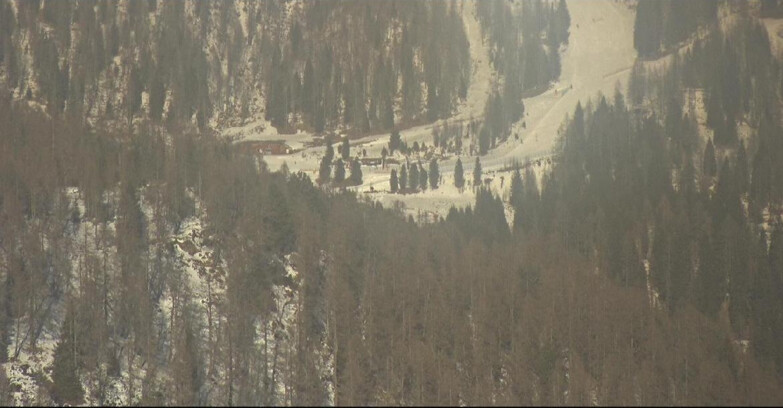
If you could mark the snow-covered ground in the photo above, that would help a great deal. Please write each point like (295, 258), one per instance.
(598, 59)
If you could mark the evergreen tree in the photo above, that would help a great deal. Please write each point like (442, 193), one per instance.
(403, 177)
(356, 172)
(648, 27)
(422, 177)
(346, 150)
(484, 140)
(67, 389)
(413, 177)
(308, 98)
(329, 155)
(767, 302)
(434, 174)
(393, 182)
(394, 141)
(459, 176)
(477, 173)
(339, 171)
(325, 170)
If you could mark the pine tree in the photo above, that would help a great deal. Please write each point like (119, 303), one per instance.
(422, 177)
(308, 91)
(394, 141)
(434, 174)
(67, 389)
(346, 150)
(325, 170)
(339, 171)
(459, 175)
(477, 173)
(356, 172)
(329, 155)
(413, 179)
(393, 182)
(403, 177)
(484, 140)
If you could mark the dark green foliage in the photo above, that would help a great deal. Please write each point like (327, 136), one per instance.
(487, 222)
(423, 177)
(393, 182)
(413, 176)
(339, 171)
(345, 150)
(411, 312)
(356, 172)
(660, 25)
(459, 176)
(484, 140)
(67, 388)
(434, 174)
(304, 75)
(325, 170)
(394, 141)
(403, 177)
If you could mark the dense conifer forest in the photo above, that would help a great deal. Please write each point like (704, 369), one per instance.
(146, 258)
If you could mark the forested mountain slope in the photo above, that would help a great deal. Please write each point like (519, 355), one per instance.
(145, 259)
(307, 65)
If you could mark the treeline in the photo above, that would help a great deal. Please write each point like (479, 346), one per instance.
(692, 221)
(215, 62)
(460, 311)
(661, 25)
(413, 55)
(741, 84)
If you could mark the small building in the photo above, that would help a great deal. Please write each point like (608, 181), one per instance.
(274, 147)
(271, 147)
(371, 161)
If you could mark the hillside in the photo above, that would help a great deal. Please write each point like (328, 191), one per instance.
(391, 203)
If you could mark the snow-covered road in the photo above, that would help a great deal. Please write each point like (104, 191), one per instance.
(598, 59)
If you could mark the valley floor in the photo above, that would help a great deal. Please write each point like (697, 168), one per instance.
(598, 59)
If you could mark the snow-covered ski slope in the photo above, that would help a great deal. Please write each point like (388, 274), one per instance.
(598, 59)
